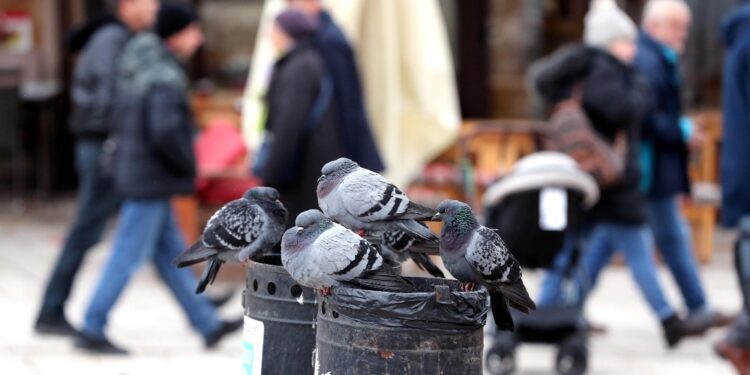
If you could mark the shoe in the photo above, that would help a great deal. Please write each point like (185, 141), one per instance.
(674, 330)
(737, 356)
(97, 345)
(58, 327)
(225, 328)
(219, 301)
(698, 323)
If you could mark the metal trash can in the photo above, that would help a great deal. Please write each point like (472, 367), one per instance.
(435, 331)
(279, 331)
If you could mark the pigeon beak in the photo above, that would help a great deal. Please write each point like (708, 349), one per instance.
(321, 178)
(437, 217)
(299, 230)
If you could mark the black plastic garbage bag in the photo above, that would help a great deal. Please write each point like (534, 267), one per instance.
(437, 330)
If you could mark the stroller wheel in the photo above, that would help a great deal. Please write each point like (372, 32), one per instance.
(500, 359)
(572, 359)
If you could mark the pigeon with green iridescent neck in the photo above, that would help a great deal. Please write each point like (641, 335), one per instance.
(321, 254)
(475, 254)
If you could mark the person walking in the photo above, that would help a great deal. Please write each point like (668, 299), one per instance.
(301, 128)
(602, 69)
(92, 94)
(735, 176)
(666, 137)
(341, 64)
(154, 162)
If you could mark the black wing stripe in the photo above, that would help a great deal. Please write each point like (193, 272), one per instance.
(393, 210)
(387, 195)
(358, 258)
(372, 256)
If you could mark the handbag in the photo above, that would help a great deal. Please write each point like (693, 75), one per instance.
(316, 116)
(570, 132)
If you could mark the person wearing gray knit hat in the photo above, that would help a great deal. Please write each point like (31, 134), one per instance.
(607, 27)
(606, 23)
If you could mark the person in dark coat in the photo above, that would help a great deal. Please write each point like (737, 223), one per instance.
(735, 153)
(614, 97)
(665, 139)
(92, 92)
(735, 170)
(301, 122)
(154, 162)
(340, 61)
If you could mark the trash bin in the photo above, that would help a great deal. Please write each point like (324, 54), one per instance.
(279, 331)
(437, 330)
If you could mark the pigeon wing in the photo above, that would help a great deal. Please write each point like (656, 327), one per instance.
(343, 255)
(369, 197)
(238, 225)
(489, 257)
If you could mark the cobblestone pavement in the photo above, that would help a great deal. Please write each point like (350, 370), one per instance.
(149, 323)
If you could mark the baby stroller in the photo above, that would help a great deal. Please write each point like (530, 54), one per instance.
(535, 207)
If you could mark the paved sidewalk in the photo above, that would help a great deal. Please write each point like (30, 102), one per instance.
(149, 322)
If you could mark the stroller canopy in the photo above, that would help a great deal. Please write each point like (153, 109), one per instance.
(540, 170)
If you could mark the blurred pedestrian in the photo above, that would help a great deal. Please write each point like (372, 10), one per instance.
(735, 175)
(341, 64)
(154, 162)
(92, 93)
(614, 97)
(301, 127)
(666, 136)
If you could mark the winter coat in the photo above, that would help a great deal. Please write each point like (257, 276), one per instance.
(94, 79)
(735, 154)
(154, 157)
(296, 155)
(661, 135)
(614, 99)
(351, 114)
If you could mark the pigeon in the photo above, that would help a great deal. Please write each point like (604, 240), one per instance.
(473, 254)
(319, 253)
(243, 229)
(367, 203)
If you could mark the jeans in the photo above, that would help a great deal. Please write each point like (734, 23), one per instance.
(672, 236)
(148, 231)
(97, 202)
(601, 242)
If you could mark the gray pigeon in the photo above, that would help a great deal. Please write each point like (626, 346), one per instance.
(474, 254)
(367, 203)
(243, 229)
(321, 254)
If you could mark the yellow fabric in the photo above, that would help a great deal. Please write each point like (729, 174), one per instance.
(407, 73)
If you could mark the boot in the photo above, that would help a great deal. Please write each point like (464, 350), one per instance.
(674, 330)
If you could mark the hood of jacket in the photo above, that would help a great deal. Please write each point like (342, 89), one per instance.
(735, 24)
(146, 62)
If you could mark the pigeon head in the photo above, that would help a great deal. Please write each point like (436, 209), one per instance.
(262, 192)
(268, 199)
(457, 217)
(309, 218)
(308, 226)
(332, 173)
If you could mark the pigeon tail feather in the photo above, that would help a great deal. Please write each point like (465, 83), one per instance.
(209, 275)
(517, 296)
(418, 212)
(425, 263)
(500, 312)
(195, 254)
(414, 228)
(384, 279)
